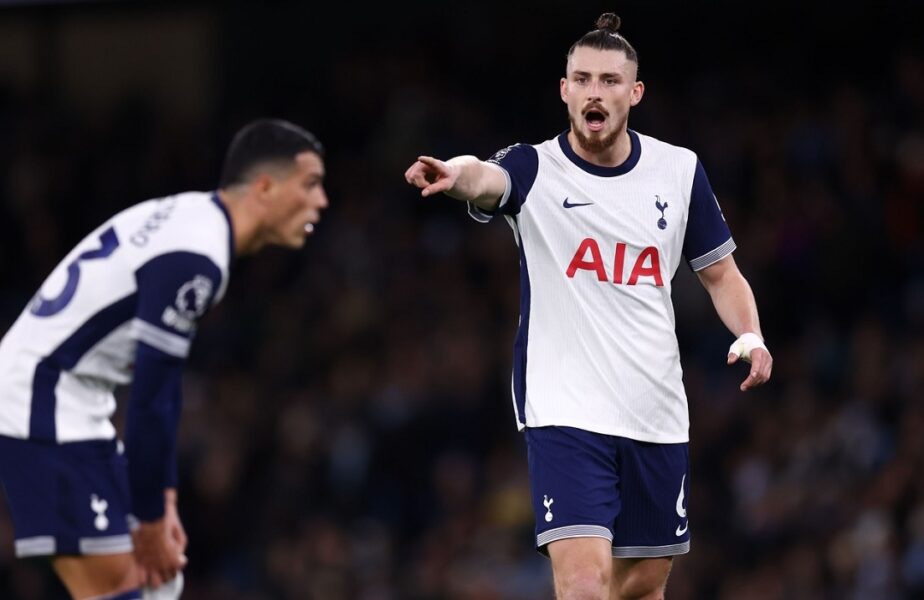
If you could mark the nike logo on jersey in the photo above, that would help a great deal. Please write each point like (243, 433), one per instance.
(567, 204)
(681, 511)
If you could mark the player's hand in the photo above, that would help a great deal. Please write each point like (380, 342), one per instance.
(160, 546)
(431, 175)
(175, 530)
(751, 349)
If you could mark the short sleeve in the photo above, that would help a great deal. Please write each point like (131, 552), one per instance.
(707, 239)
(174, 291)
(520, 164)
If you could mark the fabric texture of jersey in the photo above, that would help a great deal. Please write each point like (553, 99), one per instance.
(146, 275)
(596, 347)
(631, 493)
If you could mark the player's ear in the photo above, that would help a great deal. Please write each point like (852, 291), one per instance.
(638, 90)
(563, 89)
(262, 184)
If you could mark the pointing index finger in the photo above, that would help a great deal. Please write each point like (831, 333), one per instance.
(432, 162)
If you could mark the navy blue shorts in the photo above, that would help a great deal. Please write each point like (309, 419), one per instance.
(588, 484)
(67, 498)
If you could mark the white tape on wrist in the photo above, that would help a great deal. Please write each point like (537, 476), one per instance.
(743, 346)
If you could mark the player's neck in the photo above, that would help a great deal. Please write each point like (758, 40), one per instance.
(245, 226)
(613, 156)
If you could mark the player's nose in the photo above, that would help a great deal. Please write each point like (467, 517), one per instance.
(322, 201)
(594, 91)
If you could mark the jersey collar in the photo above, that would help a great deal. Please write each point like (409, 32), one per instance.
(634, 154)
(224, 211)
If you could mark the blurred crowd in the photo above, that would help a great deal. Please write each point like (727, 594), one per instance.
(348, 430)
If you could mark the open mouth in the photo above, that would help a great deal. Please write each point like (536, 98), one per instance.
(595, 120)
(310, 224)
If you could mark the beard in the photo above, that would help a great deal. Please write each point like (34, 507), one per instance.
(595, 145)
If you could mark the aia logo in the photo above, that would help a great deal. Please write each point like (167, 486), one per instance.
(588, 258)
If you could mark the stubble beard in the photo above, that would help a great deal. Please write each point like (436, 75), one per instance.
(596, 145)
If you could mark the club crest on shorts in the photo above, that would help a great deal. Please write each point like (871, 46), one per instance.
(547, 502)
(99, 506)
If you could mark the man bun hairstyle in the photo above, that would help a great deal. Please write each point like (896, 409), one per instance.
(609, 21)
(606, 37)
(265, 142)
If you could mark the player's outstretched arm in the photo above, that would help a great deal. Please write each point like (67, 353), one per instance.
(734, 302)
(463, 177)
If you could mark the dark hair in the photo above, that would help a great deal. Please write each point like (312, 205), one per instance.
(605, 37)
(265, 141)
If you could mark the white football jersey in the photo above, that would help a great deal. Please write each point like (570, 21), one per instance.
(596, 347)
(147, 274)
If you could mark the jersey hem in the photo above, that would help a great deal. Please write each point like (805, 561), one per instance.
(616, 432)
(713, 256)
(479, 214)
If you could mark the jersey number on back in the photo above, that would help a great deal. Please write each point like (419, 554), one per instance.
(42, 307)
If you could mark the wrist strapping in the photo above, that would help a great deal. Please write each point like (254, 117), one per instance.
(743, 346)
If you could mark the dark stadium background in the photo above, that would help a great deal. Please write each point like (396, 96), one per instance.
(347, 430)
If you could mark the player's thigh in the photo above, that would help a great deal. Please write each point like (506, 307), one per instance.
(97, 575)
(581, 566)
(640, 578)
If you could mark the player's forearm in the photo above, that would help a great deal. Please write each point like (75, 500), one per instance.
(735, 304)
(151, 428)
(477, 182)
